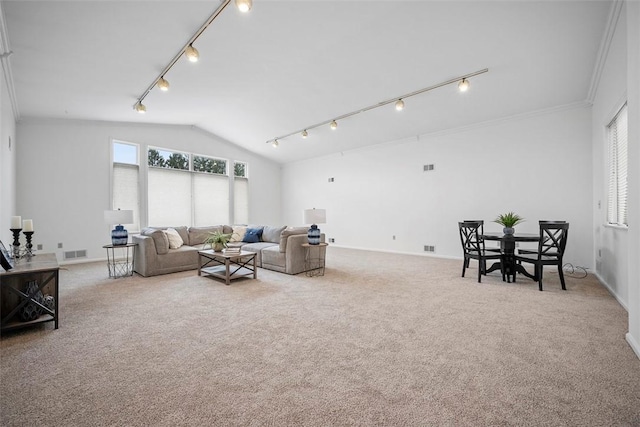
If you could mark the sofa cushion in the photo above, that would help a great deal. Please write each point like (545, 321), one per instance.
(289, 231)
(252, 235)
(197, 235)
(175, 241)
(272, 234)
(238, 233)
(159, 238)
(183, 232)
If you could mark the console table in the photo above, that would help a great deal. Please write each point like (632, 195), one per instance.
(42, 269)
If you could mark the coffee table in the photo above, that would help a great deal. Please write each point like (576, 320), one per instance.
(227, 266)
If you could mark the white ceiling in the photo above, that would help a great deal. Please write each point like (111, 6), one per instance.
(290, 64)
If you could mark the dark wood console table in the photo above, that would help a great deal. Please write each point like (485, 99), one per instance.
(42, 269)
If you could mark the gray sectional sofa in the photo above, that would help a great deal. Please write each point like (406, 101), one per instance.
(279, 249)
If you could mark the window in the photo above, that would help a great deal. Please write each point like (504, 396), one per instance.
(187, 192)
(125, 184)
(617, 192)
(240, 193)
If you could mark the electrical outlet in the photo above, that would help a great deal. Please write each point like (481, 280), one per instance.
(394, 237)
(332, 240)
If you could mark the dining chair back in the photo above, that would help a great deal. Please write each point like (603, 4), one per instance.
(473, 247)
(551, 247)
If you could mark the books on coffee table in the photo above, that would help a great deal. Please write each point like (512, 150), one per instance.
(232, 250)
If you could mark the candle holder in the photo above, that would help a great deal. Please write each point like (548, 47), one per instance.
(16, 242)
(28, 247)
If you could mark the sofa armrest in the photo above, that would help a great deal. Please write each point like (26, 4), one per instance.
(295, 253)
(146, 256)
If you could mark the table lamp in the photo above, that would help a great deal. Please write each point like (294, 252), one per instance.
(119, 235)
(314, 216)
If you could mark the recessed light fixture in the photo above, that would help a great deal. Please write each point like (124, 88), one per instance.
(399, 105)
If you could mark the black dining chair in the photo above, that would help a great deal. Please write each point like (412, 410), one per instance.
(473, 248)
(542, 221)
(553, 241)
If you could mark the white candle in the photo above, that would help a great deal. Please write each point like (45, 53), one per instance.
(16, 222)
(27, 225)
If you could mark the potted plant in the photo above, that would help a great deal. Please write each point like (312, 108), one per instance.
(508, 221)
(217, 240)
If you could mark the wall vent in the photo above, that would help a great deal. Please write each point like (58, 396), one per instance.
(427, 168)
(332, 240)
(331, 179)
(82, 253)
(429, 248)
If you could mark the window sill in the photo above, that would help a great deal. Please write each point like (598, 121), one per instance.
(617, 227)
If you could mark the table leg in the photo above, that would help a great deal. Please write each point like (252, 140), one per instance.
(227, 275)
(255, 270)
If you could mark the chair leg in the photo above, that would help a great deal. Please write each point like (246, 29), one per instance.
(480, 271)
(465, 263)
(561, 274)
(539, 274)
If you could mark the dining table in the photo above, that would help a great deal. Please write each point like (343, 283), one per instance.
(508, 249)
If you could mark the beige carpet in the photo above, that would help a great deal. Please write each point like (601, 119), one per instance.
(381, 339)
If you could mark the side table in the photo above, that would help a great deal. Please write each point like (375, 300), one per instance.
(30, 289)
(122, 266)
(314, 259)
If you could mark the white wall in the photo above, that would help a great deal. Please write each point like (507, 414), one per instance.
(633, 251)
(536, 165)
(7, 163)
(64, 172)
(610, 242)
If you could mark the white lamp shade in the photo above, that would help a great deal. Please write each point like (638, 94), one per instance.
(118, 217)
(315, 216)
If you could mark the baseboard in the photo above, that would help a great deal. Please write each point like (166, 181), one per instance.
(612, 292)
(635, 346)
(387, 251)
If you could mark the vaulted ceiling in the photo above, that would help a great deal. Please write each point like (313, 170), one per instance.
(286, 65)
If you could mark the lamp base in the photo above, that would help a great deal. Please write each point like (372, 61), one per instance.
(119, 236)
(314, 235)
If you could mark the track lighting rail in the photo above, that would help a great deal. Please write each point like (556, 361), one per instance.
(379, 104)
(175, 59)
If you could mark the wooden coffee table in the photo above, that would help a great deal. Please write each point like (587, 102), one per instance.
(227, 266)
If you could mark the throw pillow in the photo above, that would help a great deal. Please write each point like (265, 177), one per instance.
(159, 238)
(252, 235)
(238, 233)
(175, 241)
(272, 234)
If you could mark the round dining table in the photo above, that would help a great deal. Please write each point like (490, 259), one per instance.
(508, 249)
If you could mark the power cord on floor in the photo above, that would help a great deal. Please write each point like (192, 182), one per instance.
(575, 271)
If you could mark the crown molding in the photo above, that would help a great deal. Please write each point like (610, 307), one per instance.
(5, 58)
(605, 45)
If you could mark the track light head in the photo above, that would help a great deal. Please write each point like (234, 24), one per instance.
(163, 85)
(305, 133)
(463, 85)
(192, 53)
(244, 5)
(399, 105)
(140, 108)
(334, 125)
(275, 143)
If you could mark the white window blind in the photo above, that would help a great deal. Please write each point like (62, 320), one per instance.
(617, 190)
(210, 199)
(241, 200)
(169, 197)
(126, 192)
